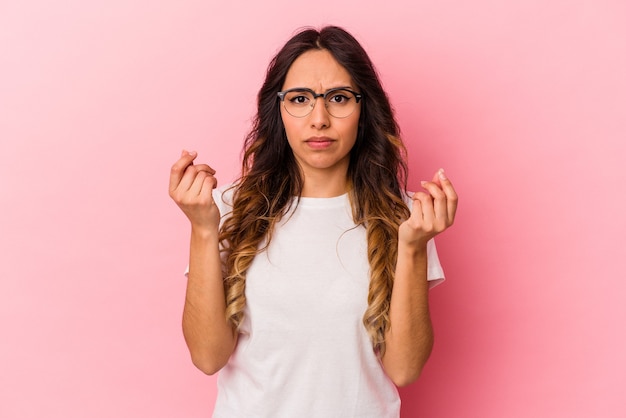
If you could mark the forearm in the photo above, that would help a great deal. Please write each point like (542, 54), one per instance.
(409, 339)
(209, 337)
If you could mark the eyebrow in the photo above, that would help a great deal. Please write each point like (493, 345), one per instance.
(332, 88)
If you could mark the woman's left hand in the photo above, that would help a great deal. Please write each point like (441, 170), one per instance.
(432, 213)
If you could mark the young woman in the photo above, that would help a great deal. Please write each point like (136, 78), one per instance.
(308, 277)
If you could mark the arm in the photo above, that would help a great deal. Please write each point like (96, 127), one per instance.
(409, 339)
(209, 337)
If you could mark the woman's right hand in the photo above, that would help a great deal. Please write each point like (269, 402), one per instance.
(191, 187)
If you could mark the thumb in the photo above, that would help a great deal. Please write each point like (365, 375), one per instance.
(437, 177)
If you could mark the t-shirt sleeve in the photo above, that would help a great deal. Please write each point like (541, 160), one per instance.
(434, 273)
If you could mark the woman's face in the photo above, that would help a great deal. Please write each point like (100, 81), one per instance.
(320, 142)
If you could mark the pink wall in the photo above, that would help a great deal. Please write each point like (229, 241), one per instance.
(523, 102)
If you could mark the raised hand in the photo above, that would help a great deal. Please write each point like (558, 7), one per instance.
(432, 213)
(191, 187)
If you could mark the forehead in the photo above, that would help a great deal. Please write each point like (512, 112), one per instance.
(317, 70)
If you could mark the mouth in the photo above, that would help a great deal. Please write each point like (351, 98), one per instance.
(319, 142)
(319, 139)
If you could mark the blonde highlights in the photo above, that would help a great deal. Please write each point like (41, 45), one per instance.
(271, 179)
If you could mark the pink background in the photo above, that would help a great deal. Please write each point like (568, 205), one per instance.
(523, 103)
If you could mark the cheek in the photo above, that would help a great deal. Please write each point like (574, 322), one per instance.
(354, 127)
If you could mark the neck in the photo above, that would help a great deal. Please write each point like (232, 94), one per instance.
(317, 184)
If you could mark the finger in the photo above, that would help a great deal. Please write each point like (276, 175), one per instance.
(192, 172)
(209, 184)
(178, 169)
(206, 192)
(187, 179)
(416, 208)
(426, 206)
(195, 189)
(436, 179)
(204, 167)
(451, 195)
(439, 201)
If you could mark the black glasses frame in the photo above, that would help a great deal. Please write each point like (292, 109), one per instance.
(281, 96)
(357, 96)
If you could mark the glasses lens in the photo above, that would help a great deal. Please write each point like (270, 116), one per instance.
(341, 103)
(299, 103)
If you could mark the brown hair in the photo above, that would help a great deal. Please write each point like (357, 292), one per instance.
(271, 178)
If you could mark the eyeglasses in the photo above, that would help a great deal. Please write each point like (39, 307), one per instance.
(340, 102)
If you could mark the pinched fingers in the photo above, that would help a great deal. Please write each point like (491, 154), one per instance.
(192, 174)
(444, 201)
(422, 214)
(434, 210)
(189, 181)
(438, 199)
(202, 184)
(179, 168)
(452, 198)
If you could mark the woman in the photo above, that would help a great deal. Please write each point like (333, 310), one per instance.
(308, 278)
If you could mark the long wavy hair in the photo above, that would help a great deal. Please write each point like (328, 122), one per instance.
(270, 178)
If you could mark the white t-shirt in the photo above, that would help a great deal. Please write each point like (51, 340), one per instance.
(303, 350)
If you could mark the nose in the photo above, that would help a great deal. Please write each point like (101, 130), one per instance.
(319, 116)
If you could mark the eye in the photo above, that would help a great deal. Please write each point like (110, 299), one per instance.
(301, 99)
(339, 98)
(298, 98)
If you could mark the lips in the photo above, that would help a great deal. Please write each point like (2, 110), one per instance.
(319, 142)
